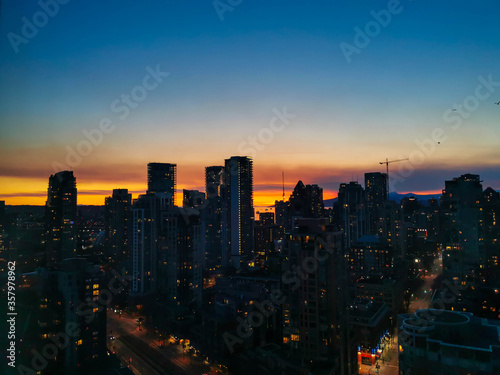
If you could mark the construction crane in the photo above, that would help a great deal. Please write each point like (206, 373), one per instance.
(386, 162)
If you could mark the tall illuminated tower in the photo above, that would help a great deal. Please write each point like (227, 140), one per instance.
(238, 182)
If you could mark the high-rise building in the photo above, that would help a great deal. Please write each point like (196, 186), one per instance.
(462, 210)
(306, 201)
(352, 212)
(265, 233)
(193, 199)
(61, 217)
(162, 178)
(238, 203)
(213, 181)
(117, 221)
(71, 297)
(315, 310)
(376, 195)
(266, 218)
(146, 211)
(280, 209)
(390, 225)
(491, 271)
(180, 258)
(2, 213)
(372, 323)
(370, 256)
(211, 220)
(2, 229)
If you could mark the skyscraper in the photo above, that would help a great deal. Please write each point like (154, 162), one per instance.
(376, 195)
(117, 221)
(162, 178)
(213, 180)
(352, 209)
(315, 310)
(180, 257)
(211, 218)
(238, 181)
(61, 217)
(306, 201)
(265, 233)
(2, 228)
(193, 199)
(461, 203)
(71, 295)
(144, 244)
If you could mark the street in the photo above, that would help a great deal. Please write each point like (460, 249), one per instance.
(388, 361)
(422, 298)
(140, 350)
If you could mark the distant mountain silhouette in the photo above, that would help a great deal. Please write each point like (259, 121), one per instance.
(395, 197)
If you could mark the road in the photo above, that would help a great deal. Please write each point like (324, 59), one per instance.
(422, 298)
(139, 349)
(388, 361)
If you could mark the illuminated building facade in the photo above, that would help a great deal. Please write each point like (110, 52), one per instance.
(238, 184)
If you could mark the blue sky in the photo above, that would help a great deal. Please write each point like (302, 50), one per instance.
(227, 76)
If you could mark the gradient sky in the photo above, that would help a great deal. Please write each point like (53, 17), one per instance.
(227, 77)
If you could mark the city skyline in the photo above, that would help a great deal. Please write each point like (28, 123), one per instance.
(283, 74)
(236, 187)
(262, 198)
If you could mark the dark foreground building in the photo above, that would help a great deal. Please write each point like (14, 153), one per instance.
(443, 342)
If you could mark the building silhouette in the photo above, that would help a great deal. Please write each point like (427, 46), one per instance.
(315, 324)
(162, 178)
(61, 217)
(2, 230)
(306, 201)
(70, 312)
(352, 212)
(435, 341)
(376, 195)
(193, 198)
(145, 221)
(461, 205)
(180, 259)
(117, 226)
(213, 181)
(238, 205)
